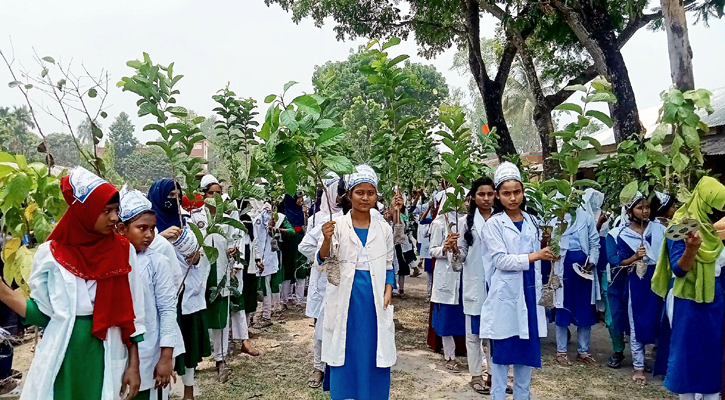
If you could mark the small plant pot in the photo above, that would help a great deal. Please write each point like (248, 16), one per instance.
(549, 290)
(399, 234)
(332, 268)
(456, 261)
(640, 268)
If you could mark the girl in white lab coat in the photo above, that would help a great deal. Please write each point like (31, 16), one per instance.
(264, 225)
(358, 341)
(162, 340)
(511, 316)
(448, 319)
(85, 291)
(477, 270)
(334, 189)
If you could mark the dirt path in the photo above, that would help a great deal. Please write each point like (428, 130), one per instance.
(282, 370)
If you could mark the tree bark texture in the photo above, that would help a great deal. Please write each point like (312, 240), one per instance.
(593, 27)
(491, 90)
(678, 44)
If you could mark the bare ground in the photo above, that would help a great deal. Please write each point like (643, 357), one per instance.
(282, 370)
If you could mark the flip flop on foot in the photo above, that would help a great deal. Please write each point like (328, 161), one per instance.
(615, 360)
(453, 366)
(479, 385)
(316, 379)
(248, 349)
(639, 378)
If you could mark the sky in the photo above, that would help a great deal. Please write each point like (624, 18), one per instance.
(254, 48)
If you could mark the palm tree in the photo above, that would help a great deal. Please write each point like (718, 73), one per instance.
(16, 125)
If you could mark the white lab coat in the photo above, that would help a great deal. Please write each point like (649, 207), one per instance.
(378, 254)
(162, 329)
(446, 281)
(220, 243)
(477, 266)
(308, 248)
(269, 257)
(585, 232)
(55, 290)
(504, 312)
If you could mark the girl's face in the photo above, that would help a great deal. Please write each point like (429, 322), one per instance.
(174, 194)
(510, 194)
(484, 197)
(641, 210)
(671, 211)
(107, 220)
(211, 191)
(363, 197)
(140, 232)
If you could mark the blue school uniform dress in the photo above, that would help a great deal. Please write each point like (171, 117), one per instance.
(695, 359)
(352, 380)
(514, 350)
(449, 319)
(578, 308)
(617, 287)
(646, 305)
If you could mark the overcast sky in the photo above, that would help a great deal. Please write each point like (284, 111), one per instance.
(255, 48)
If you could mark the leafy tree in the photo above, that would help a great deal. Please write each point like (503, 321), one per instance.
(362, 119)
(121, 135)
(135, 168)
(15, 131)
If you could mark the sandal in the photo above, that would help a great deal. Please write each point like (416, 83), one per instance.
(453, 366)
(615, 361)
(478, 385)
(263, 323)
(639, 378)
(316, 379)
(563, 359)
(587, 359)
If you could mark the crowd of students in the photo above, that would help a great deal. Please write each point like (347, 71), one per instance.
(126, 297)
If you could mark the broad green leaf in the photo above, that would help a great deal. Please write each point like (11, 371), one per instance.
(640, 159)
(270, 98)
(178, 111)
(41, 226)
(578, 88)
(692, 139)
(628, 192)
(308, 104)
(339, 164)
(604, 118)
(394, 41)
(287, 118)
(333, 134)
(569, 107)
(289, 85)
(659, 134)
(290, 178)
(397, 60)
(49, 59)
(680, 162)
(601, 97)
(92, 92)
(324, 124)
(586, 183)
(14, 84)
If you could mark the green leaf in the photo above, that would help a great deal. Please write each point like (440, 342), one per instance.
(270, 98)
(308, 104)
(680, 162)
(601, 97)
(341, 165)
(49, 59)
(92, 92)
(692, 139)
(394, 41)
(104, 114)
(397, 60)
(41, 226)
(604, 118)
(659, 134)
(290, 178)
(178, 111)
(578, 88)
(628, 192)
(570, 107)
(289, 85)
(324, 124)
(287, 118)
(331, 136)
(586, 183)
(14, 84)
(640, 159)
(97, 132)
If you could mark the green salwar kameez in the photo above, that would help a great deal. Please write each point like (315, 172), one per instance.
(217, 311)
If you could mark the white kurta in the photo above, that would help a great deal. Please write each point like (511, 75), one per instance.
(308, 248)
(160, 311)
(446, 281)
(268, 256)
(504, 313)
(378, 254)
(55, 290)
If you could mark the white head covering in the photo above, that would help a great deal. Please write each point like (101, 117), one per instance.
(330, 193)
(207, 180)
(506, 171)
(593, 200)
(132, 204)
(664, 198)
(363, 173)
(637, 197)
(83, 183)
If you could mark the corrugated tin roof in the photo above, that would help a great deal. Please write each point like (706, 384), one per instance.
(718, 103)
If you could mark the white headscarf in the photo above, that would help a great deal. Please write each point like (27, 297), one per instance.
(330, 193)
(207, 180)
(363, 173)
(131, 204)
(506, 171)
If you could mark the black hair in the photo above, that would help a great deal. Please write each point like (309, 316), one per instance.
(657, 209)
(498, 206)
(137, 216)
(115, 199)
(482, 181)
(247, 220)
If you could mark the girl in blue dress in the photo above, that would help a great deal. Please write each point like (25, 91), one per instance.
(641, 241)
(695, 304)
(358, 340)
(511, 316)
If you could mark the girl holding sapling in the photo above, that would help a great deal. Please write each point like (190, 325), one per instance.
(511, 317)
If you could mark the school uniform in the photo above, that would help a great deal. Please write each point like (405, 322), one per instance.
(270, 259)
(510, 315)
(575, 301)
(644, 306)
(477, 271)
(245, 302)
(358, 339)
(617, 292)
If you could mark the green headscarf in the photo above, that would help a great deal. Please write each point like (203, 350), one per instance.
(699, 283)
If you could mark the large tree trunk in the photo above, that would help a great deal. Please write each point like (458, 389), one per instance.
(545, 128)
(678, 44)
(491, 90)
(591, 23)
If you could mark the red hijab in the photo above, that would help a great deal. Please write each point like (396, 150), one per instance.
(90, 255)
